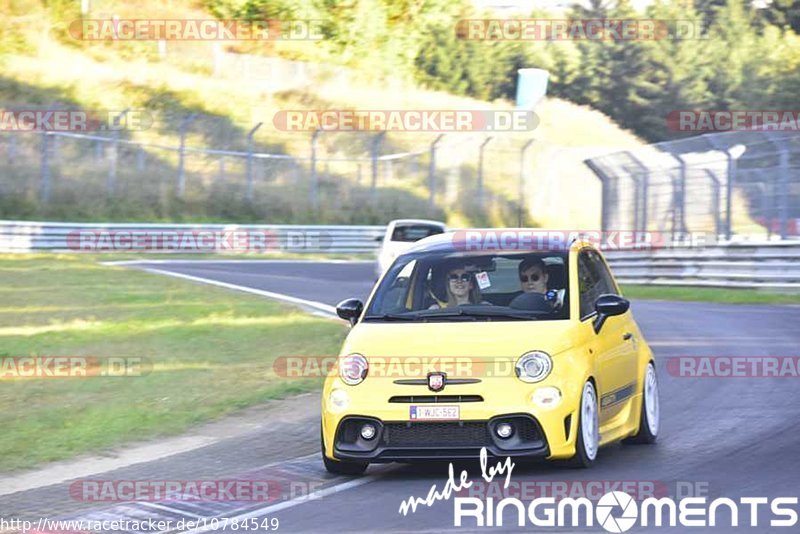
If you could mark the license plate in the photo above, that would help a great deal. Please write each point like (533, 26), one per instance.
(434, 413)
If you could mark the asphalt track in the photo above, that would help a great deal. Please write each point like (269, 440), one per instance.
(720, 437)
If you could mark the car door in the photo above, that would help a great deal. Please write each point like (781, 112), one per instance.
(612, 347)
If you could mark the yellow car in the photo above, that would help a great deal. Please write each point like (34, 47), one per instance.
(526, 351)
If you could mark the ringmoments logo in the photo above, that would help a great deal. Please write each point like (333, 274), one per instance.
(617, 511)
(614, 511)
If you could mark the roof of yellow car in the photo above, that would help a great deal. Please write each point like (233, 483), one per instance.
(501, 240)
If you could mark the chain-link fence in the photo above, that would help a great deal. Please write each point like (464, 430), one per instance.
(343, 177)
(728, 184)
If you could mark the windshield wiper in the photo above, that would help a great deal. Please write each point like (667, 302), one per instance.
(487, 312)
(390, 317)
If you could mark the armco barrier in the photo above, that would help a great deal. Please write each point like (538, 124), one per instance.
(768, 265)
(23, 236)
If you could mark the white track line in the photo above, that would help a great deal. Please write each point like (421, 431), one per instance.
(176, 511)
(320, 308)
(313, 497)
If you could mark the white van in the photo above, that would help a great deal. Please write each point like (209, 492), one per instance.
(400, 235)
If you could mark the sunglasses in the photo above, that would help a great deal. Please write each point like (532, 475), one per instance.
(524, 278)
(454, 277)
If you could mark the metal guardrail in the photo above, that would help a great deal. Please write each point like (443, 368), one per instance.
(23, 236)
(773, 266)
(768, 265)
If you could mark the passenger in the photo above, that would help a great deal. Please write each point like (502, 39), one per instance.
(461, 289)
(533, 275)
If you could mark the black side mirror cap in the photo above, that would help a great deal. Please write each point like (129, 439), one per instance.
(379, 238)
(350, 310)
(608, 306)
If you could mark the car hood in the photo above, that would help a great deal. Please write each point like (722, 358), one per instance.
(476, 339)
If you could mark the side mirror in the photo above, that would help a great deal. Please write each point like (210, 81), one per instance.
(350, 310)
(608, 306)
(379, 238)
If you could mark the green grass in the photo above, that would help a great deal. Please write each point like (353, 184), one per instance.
(704, 294)
(211, 350)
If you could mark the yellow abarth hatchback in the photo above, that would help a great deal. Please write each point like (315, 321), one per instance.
(463, 345)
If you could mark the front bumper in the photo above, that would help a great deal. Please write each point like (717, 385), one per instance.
(417, 440)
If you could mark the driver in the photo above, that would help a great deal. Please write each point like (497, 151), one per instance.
(533, 278)
(533, 275)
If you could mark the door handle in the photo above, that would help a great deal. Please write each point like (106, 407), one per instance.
(627, 336)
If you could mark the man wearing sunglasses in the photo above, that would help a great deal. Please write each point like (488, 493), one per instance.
(533, 275)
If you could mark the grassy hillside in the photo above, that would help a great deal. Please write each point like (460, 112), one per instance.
(42, 65)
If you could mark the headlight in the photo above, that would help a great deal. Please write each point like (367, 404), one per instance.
(353, 369)
(534, 366)
(338, 400)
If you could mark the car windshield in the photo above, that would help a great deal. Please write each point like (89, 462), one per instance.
(409, 233)
(462, 286)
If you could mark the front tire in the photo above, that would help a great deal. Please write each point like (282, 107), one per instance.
(341, 467)
(588, 441)
(650, 418)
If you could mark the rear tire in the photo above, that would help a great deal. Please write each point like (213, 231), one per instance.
(649, 420)
(587, 443)
(340, 467)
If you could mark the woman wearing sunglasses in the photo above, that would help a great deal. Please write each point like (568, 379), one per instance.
(461, 289)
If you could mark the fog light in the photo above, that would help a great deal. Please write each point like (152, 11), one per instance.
(547, 397)
(504, 430)
(368, 431)
(338, 400)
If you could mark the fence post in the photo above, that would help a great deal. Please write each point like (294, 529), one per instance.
(679, 199)
(604, 192)
(313, 184)
(783, 196)
(111, 181)
(375, 152)
(250, 134)
(480, 172)
(731, 170)
(522, 176)
(12, 148)
(181, 186)
(715, 206)
(729, 194)
(44, 186)
(432, 173)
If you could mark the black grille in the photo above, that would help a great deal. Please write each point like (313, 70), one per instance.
(528, 430)
(435, 399)
(436, 434)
